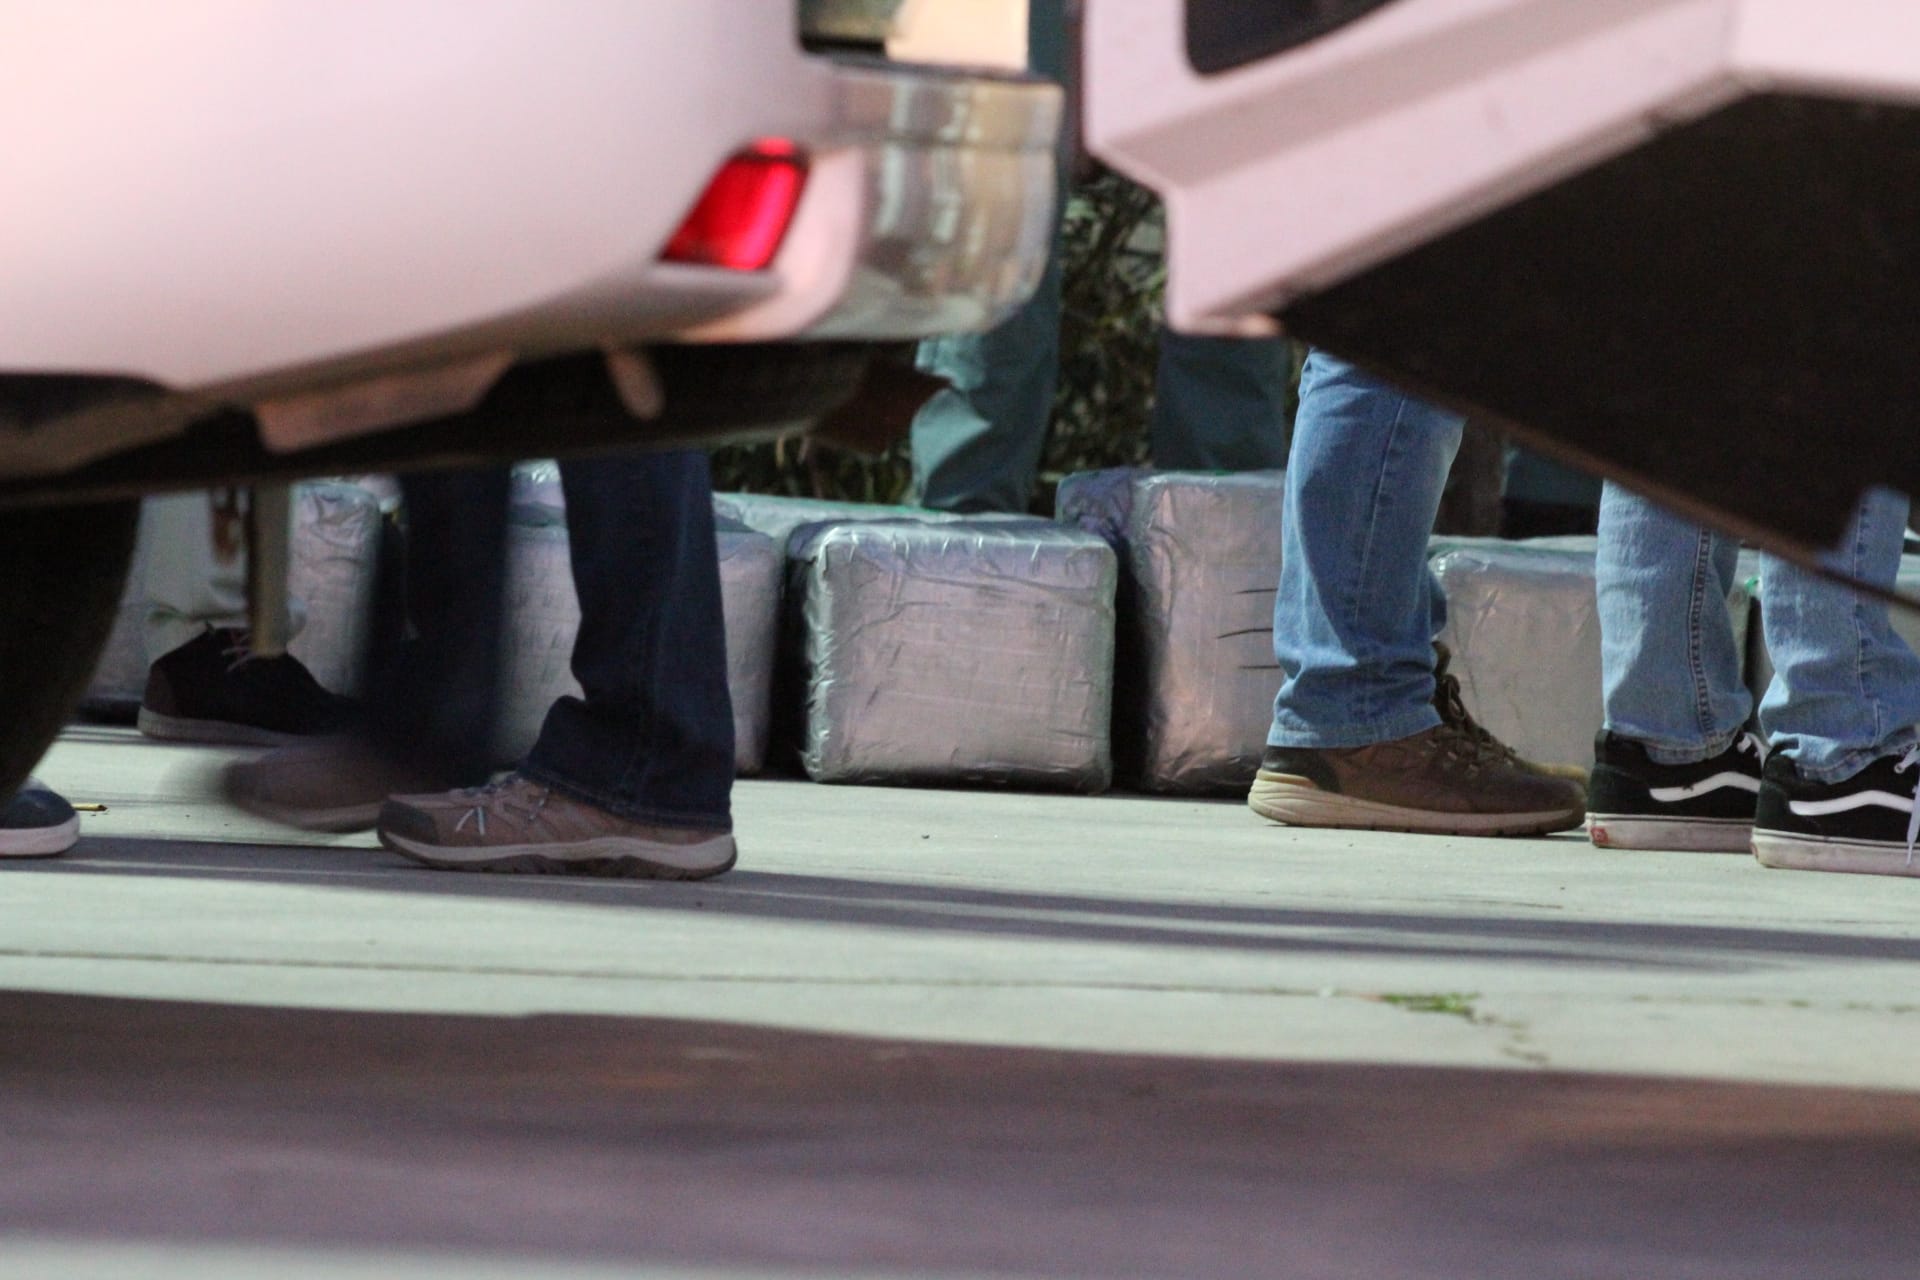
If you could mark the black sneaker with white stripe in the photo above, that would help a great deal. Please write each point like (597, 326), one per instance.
(1867, 823)
(1635, 802)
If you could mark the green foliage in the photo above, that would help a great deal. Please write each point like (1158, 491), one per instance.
(1109, 328)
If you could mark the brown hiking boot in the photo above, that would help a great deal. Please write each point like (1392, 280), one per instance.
(1444, 781)
(517, 824)
(1453, 711)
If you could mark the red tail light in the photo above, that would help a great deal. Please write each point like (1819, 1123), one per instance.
(744, 213)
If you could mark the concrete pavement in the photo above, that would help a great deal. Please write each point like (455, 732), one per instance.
(941, 1034)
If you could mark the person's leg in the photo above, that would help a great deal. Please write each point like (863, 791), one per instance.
(1673, 765)
(653, 737)
(977, 444)
(1846, 687)
(1220, 404)
(635, 777)
(1353, 621)
(1357, 738)
(1840, 715)
(204, 682)
(430, 699)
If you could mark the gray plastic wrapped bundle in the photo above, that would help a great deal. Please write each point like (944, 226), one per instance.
(958, 652)
(336, 564)
(1200, 556)
(781, 517)
(542, 614)
(1524, 627)
(120, 676)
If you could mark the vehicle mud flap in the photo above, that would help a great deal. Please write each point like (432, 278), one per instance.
(63, 569)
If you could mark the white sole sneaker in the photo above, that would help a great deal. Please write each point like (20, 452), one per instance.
(1672, 835)
(40, 842)
(1293, 800)
(216, 733)
(1789, 852)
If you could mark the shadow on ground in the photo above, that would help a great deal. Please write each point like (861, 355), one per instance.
(943, 908)
(703, 1144)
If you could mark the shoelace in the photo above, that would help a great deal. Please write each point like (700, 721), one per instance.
(1452, 706)
(240, 650)
(1905, 763)
(493, 792)
(1751, 744)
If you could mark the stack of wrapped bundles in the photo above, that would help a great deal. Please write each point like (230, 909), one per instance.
(1199, 556)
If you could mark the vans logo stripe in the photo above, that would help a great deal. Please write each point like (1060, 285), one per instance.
(1728, 778)
(1858, 800)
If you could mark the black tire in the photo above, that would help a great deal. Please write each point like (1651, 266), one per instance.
(63, 570)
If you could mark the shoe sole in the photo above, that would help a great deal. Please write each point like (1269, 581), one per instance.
(40, 842)
(1671, 835)
(1298, 803)
(1786, 852)
(342, 821)
(609, 856)
(216, 733)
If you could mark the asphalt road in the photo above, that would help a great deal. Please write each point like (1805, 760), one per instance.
(945, 1034)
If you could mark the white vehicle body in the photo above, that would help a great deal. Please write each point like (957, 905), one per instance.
(1627, 228)
(254, 203)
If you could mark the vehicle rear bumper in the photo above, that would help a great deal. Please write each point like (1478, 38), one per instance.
(930, 209)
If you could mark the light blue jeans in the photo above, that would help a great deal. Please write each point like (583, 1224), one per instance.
(1846, 688)
(1358, 608)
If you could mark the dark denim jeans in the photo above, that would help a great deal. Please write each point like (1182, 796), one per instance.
(652, 739)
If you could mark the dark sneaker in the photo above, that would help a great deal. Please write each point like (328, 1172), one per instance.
(1866, 824)
(518, 824)
(337, 784)
(1452, 709)
(1442, 782)
(1635, 802)
(37, 823)
(213, 689)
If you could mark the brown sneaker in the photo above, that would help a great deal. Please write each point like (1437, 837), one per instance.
(518, 824)
(1443, 781)
(1453, 711)
(335, 784)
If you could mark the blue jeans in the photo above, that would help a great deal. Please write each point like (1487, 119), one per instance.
(652, 740)
(1358, 608)
(1846, 688)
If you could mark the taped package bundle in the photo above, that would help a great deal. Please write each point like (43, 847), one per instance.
(1200, 556)
(120, 676)
(543, 614)
(335, 563)
(781, 517)
(335, 568)
(1524, 627)
(957, 652)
